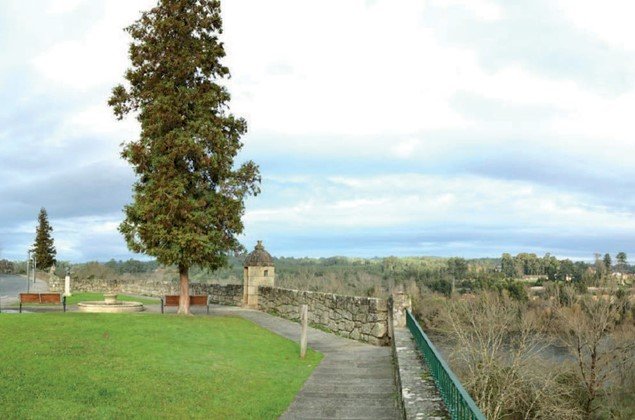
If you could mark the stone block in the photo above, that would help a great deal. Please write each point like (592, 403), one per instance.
(355, 334)
(379, 329)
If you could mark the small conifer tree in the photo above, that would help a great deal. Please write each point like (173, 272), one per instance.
(44, 248)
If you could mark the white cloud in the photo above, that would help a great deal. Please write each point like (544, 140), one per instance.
(420, 201)
(77, 238)
(97, 121)
(609, 20)
(98, 57)
(368, 72)
(63, 6)
(405, 148)
(481, 9)
(381, 89)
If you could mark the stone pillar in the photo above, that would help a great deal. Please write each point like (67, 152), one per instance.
(67, 283)
(400, 302)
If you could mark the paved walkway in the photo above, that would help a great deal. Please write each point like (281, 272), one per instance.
(354, 380)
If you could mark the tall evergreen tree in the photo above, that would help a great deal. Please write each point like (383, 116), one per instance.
(608, 263)
(621, 261)
(43, 247)
(507, 265)
(189, 194)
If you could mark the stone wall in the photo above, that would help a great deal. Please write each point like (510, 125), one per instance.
(221, 294)
(230, 294)
(360, 318)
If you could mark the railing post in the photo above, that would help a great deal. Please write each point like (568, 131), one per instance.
(304, 319)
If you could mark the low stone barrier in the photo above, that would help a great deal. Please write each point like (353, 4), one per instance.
(360, 318)
(223, 294)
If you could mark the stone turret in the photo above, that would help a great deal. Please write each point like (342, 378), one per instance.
(258, 271)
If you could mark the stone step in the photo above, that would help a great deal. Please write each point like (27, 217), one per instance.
(355, 396)
(354, 370)
(348, 381)
(368, 375)
(342, 412)
(335, 389)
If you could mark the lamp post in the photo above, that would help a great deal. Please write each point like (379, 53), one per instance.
(28, 279)
(34, 268)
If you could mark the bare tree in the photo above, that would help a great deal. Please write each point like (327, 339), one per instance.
(591, 332)
(498, 346)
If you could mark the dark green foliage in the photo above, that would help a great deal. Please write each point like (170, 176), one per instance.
(550, 266)
(507, 265)
(565, 271)
(189, 196)
(621, 261)
(517, 291)
(457, 267)
(43, 247)
(6, 267)
(608, 262)
(132, 266)
(441, 285)
(580, 287)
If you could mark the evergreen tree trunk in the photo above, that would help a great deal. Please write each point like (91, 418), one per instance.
(184, 285)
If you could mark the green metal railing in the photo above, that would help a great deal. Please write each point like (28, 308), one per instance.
(458, 402)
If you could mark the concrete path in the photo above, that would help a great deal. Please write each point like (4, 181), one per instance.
(354, 380)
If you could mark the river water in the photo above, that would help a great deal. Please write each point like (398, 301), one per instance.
(550, 352)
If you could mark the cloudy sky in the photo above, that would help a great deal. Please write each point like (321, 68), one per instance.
(440, 127)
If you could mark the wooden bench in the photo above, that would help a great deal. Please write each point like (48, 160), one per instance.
(42, 299)
(195, 300)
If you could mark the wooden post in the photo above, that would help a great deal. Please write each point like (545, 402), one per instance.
(304, 319)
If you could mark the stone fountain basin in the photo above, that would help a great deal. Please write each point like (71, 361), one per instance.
(116, 307)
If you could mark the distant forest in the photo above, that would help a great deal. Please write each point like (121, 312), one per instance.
(376, 276)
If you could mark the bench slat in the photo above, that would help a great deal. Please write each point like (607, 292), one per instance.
(173, 300)
(50, 298)
(198, 300)
(30, 297)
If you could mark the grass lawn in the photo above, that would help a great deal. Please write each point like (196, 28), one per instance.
(76, 365)
(75, 298)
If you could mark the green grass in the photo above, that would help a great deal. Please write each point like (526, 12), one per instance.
(76, 365)
(75, 298)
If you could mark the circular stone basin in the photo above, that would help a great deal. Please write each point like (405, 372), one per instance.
(116, 307)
